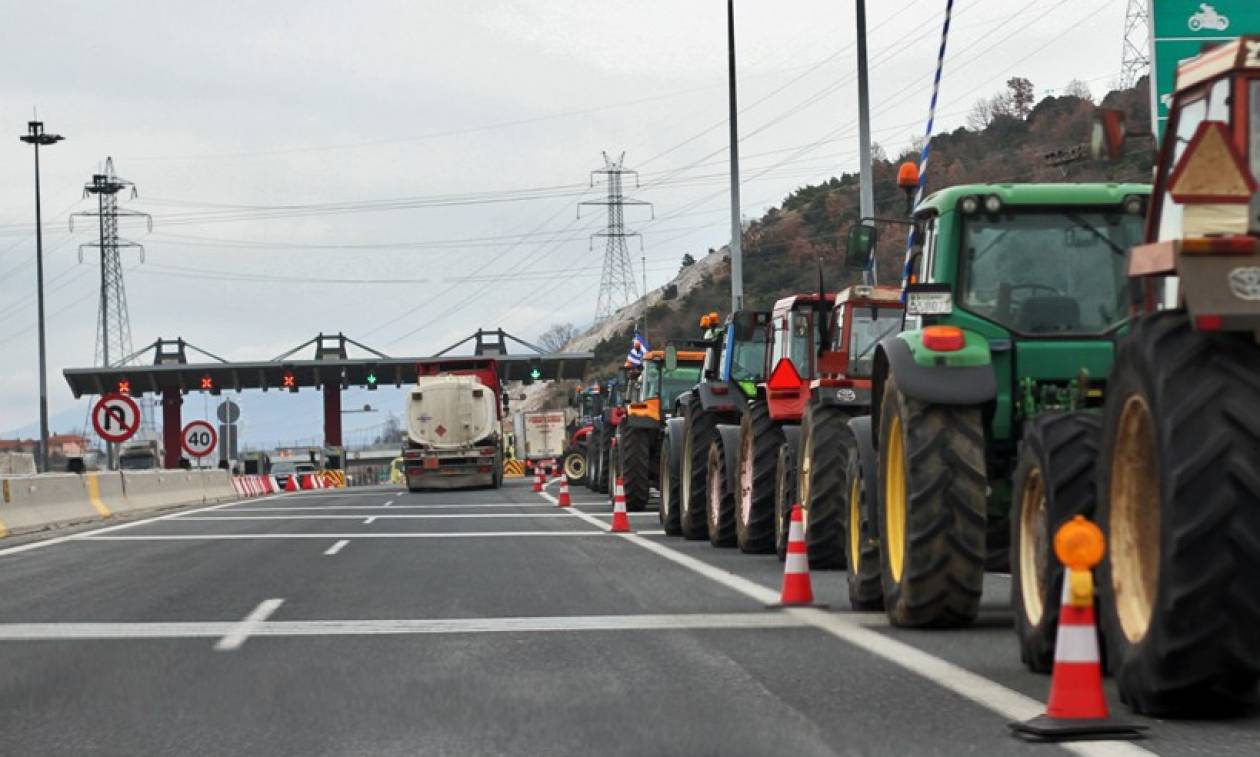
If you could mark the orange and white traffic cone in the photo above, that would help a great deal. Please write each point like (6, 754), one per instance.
(1078, 704)
(537, 480)
(291, 485)
(797, 590)
(564, 500)
(620, 521)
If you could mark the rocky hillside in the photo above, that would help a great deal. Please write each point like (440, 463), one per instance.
(1010, 142)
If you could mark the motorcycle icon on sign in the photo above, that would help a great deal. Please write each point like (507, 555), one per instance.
(1208, 18)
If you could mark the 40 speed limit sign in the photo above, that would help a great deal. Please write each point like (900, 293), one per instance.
(198, 438)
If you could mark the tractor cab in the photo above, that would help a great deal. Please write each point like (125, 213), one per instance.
(794, 335)
(861, 318)
(659, 385)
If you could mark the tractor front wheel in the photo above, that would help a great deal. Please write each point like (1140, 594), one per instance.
(634, 448)
(699, 430)
(574, 463)
(932, 514)
(825, 442)
(784, 490)
(1179, 588)
(866, 591)
(759, 440)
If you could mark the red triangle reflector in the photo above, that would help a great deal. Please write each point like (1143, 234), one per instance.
(784, 376)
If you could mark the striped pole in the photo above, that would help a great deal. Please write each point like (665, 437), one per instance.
(927, 143)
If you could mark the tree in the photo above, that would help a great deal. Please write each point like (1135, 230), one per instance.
(555, 337)
(878, 155)
(1020, 91)
(687, 260)
(1078, 88)
(980, 115)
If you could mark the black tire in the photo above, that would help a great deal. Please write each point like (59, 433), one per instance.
(824, 448)
(603, 452)
(699, 429)
(574, 465)
(759, 441)
(866, 589)
(932, 514)
(592, 461)
(1054, 481)
(784, 496)
(720, 493)
(1181, 409)
(610, 480)
(634, 447)
(670, 491)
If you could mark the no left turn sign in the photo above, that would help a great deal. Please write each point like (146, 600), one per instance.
(198, 438)
(116, 417)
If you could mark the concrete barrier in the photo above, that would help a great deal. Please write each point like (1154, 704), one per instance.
(217, 486)
(33, 503)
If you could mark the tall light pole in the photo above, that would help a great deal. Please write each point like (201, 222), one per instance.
(35, 136)
(866, 187)
(737, 230)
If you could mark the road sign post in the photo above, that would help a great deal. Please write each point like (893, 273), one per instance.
(1180, 29)
(115, 417)
(198, 439)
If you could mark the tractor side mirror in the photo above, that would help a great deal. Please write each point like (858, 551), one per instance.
(1107, 137)
(861, 244)
(671, 357)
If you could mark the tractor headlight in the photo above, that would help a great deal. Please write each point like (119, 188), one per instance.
(969, 205)
(993, 204)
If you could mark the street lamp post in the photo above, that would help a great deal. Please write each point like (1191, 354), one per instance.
(37, 137)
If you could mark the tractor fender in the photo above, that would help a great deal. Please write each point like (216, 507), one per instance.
(729, 434)
(840, 396)
(720, 396)
(940, 384)
(868, 458)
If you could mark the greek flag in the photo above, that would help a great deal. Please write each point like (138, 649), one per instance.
(638, 348)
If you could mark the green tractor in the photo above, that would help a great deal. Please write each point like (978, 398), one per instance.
(1016, 298)
(735, 352)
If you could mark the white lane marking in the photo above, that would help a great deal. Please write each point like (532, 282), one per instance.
(304, 508)
(399, 516)
(256, 625)
(857, 631)
(367, 522)
(337, 547)
(388, 503)
(241, 631)
(365, 535)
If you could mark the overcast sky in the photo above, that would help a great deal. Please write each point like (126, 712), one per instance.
(452, 140)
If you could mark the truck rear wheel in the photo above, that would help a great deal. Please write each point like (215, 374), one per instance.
(825, 441)
(1177, 499)
(866, 591)
(634, 452)
(932, 515)
(759, 440)
(1054, 480)
(699, 428)
(574, 463)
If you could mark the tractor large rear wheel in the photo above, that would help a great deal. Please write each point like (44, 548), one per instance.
(699, 430)
(634, 447)
(932, 514)
(759, 440)
(574, 463)
(825, 442)
(1054, 481)
(1178, 495)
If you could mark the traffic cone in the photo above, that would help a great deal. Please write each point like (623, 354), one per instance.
(537, 479)
(797, 590)
(291, 485)
(620, 521)
(1078, 705)
(564, 500)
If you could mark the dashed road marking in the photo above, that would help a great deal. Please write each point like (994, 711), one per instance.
(234, 638)
(337, 547)
(367, 522)
(388, 503)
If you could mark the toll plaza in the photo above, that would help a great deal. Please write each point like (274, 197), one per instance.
(322, 363)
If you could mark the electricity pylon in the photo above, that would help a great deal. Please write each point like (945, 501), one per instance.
(616, 284)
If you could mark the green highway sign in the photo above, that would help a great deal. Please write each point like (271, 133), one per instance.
(1180, 29)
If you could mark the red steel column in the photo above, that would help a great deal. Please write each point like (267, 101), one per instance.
(172, 425)
(332, 414)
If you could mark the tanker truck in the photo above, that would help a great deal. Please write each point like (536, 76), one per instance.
(454, 438)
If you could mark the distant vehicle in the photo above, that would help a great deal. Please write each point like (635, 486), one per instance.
(540, 435)
(287, 468)
(143, 454)
(454, 439)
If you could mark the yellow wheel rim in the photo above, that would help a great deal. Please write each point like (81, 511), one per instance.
(855, 523)
(895, 499)
(1134, 518)
(1033, 545)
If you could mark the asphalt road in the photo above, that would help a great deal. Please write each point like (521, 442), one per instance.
(377, 622)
